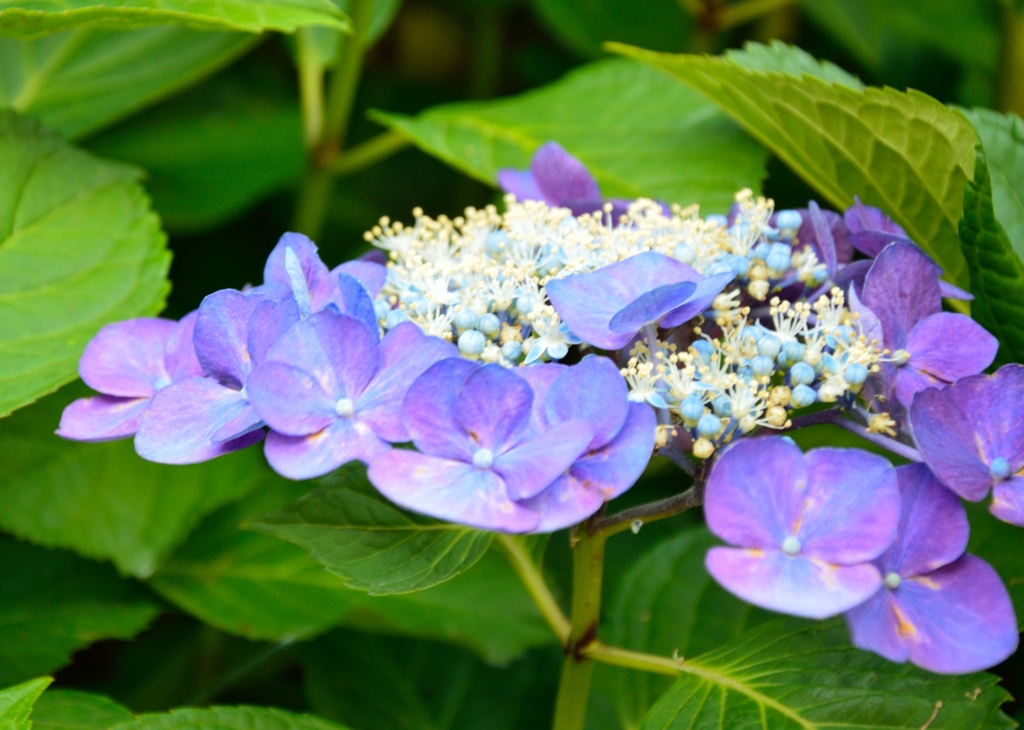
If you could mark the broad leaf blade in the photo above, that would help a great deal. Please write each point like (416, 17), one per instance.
(65, 709)
(79, 247)
(16, 703)
(81, 80)
(29, 18)
(639, 133)
(1002, 546)
(905, 153)
(801, 675)
(1002, 137)
(372, 544)
(229, 718)
(997, 273)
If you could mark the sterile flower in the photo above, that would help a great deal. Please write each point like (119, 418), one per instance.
(332, 393)
(127, 363)
(972, 436)
(942, 609)
(478, 455)
(807, 526)
(609, 306)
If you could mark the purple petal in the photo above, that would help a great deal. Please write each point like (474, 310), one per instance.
(561, 177)
(493, 407)
(951, 291)
(797, 585)
(851, 276)
(944, 348)
(180, 353)
(860, 217)
(405, 354)
(127, 358)
(1007, 500)
(902, 289)
(267, 324)
(339, 352)
(182, 419)
(947, 443)
(541, 377)
(373, 256)
(837, 229)
(587, 303)
(593, 391)
(222, 335)
(933, 527)
(449, 490)
(567, 501)
(872, 243)
(531, 466)
(102, 418)
(955, 620)
(429, 408)
(246, 421)
(821, 229)
(651, 307)
(520, 183)
(353, 300)
(370, 274)
(321, 285)
(584, 206)
(290, 400)
(307, 457)
(999, 425)
(851, 506)
(646, 271)
(703, 296)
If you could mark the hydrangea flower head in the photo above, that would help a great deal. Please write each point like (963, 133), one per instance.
(971, 434)
(806, 526)
(942, 609)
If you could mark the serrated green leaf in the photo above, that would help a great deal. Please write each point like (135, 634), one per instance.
(16, 703)
(1002, 138)
(81, 80)
(53, 603)
(639, 133)
(27, 18)
(79, 247)
(229, 718)
(801, 675)
(370, 543)
(905, 153)
(65, 709)
(996, 272)
(103, 500)
(778, 56)
(1002, 546)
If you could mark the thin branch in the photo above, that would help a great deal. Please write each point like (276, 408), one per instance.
(678, 457)
(627, 518)
(632, 659)
(830, 415)
(743, 12)
(368, 153)
(536, 586)
(896, 447)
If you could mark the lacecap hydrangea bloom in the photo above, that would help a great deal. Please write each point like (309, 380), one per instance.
(530, 361)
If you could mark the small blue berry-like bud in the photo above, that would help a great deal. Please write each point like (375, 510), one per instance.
(684, 253)
(489, 324)
(789, 220)
(709, 426)
(718, 220)
(791, 545)
(718, 267)
(761, 251)
(1000, 468)
(820, 276)
(803, 396)
(381, 309)
(471, 342)
(704, 349)
(396, 317)
(464, 320)
(483, 458)
(558, 350)
(525, 303)
(843, 333)
(855, 373)
(801, 374)
(512, 351)
(795, 351)
(420, 306)
(496, 244)
(769, 346)
(722, 406)
(892, 581)
(691, 409)
(740, 265)
(779, 258)
(762, 366)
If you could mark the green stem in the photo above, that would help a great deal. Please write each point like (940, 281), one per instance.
(732, 15)
(633, 659)
(487, 53)
(311, 89)
(345, 81)
(538, 589)
(314, 197)
(369, 153)
(577, 668)
(1011, 67)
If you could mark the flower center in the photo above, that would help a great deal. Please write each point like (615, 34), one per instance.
(791, 545)
(161, 383)
(1000, 468)
(483, 458)
(892, 581)
(900, 357)
(345, 408)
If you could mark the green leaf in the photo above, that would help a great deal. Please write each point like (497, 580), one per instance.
(997, 273)
(79, 247)
(1002, 137)
(229, 718)
(1002, 546)
(639, 133)
(81, 80)
(16, 703)
(102, 500)
(370, 543)
(53, 603)
(778, 56)
(65, 709)
(214, 151)
(27, 18)
(905, 153)
(667, 604)
(795, 674)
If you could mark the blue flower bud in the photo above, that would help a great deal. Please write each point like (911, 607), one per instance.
(762, 366)
(722, 406)
(691, 409)
(801, 374)
(843, 333)
(718, 267)
(684, 253)
(795, 351)
(789, 220)
(381, 309)
(557, 350)
(489, 324)
(525, 303)
(512, 351)
(1000, 468)
(471, 342)
(761, 251)
(803, 396)
(739, 264)
(464, 320)
(709, 426)
(704, 349)
(395, 318)
(855, 373)
(420, 306)
(718, 220)
(769, 346)
(820, 276)
(496, 244)
(779, 258)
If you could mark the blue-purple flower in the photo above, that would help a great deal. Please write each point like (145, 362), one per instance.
(971, 434)
(127, 363)
(478, 458)
(333, 393)
(940, 608)
(608, 307)
(806, 526)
